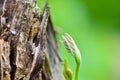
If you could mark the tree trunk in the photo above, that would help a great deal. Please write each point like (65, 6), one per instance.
(28, 46)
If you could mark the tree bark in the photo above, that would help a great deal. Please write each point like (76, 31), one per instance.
(28, 46)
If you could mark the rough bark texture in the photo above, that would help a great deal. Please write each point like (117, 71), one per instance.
(28, 46)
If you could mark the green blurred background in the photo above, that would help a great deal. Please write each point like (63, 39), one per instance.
(95, 27)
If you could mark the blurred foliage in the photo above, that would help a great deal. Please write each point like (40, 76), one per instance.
(95, 27)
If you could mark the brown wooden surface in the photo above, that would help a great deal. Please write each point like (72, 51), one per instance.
(28, 46)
